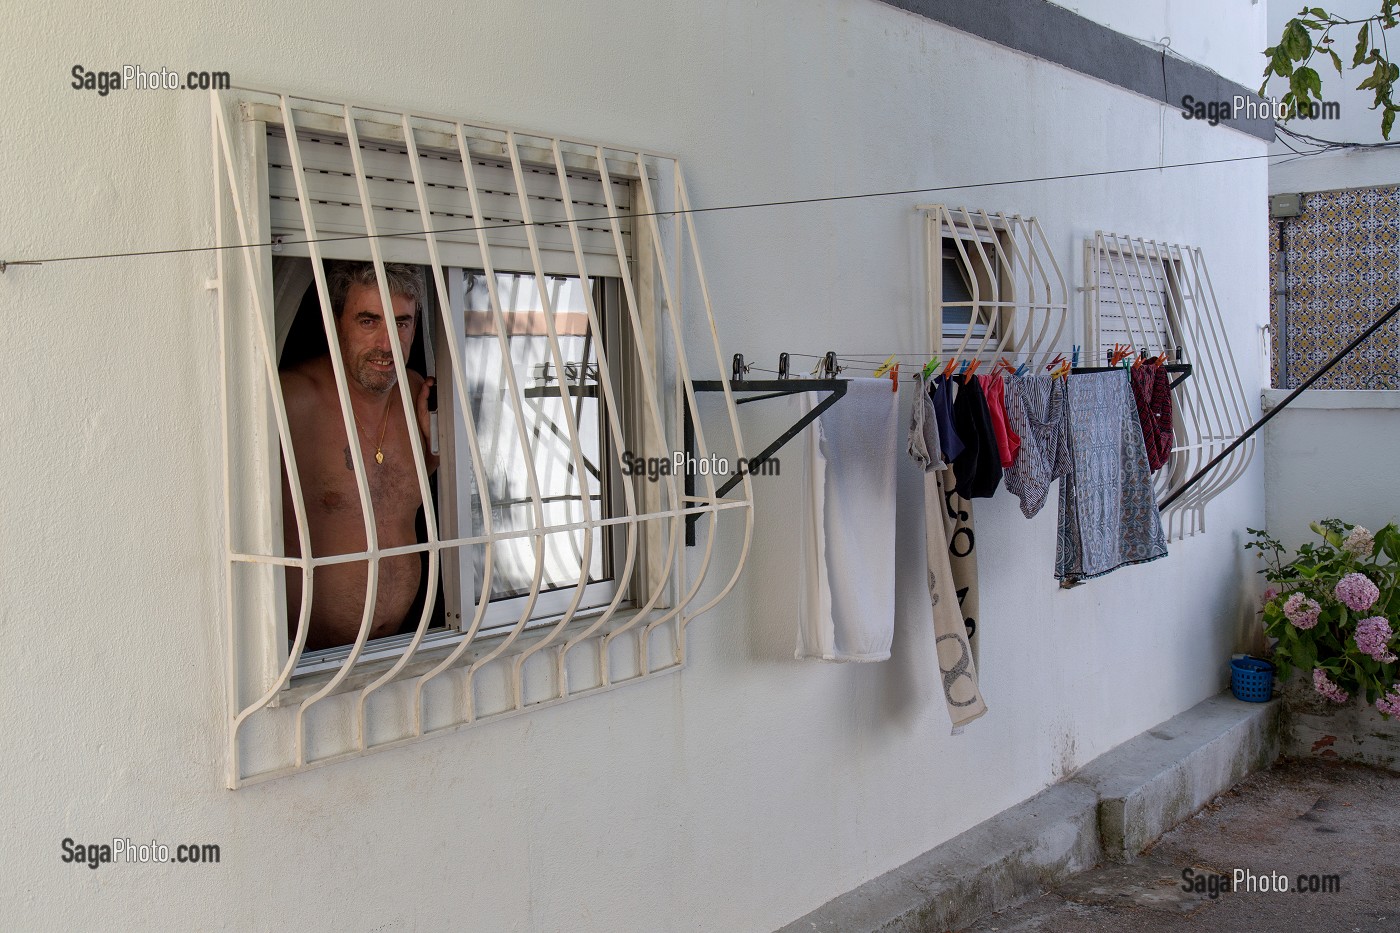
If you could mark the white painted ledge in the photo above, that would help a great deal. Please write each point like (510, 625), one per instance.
(1335, 399)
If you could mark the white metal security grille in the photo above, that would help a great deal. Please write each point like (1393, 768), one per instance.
(994, 288)
(555, 275)
(1159, 297)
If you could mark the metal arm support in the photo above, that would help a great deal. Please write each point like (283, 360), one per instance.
(775, 388)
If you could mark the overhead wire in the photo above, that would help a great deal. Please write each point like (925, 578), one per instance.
(788, 202)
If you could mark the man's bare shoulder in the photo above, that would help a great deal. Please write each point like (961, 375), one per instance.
(305, 384)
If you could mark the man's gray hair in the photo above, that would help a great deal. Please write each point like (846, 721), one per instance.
(404, 281)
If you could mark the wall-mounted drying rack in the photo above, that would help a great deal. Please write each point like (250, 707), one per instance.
(775, 388)
(825, 381)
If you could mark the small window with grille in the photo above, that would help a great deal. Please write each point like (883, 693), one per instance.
(994, 288)
(1158, 297)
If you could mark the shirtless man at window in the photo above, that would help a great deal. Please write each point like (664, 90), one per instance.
(320, 440)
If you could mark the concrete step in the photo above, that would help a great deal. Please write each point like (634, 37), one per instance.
(1155, 780)
(1111, 808)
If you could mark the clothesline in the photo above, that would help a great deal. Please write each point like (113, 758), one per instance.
(829, 365)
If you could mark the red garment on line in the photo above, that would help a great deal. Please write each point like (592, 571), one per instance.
(1008, 441)
(1153, 393)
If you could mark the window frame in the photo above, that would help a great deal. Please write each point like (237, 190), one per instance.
(448, 482)
(1164, 271)
(953, 333)
(555, 601)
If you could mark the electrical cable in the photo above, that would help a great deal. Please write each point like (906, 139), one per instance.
(791, 202)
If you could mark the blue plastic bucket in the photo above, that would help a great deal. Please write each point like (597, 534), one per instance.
(1251, 679)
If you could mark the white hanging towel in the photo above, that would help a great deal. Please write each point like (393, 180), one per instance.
(846, 603)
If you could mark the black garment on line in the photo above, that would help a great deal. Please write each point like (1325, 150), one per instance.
(978, 468)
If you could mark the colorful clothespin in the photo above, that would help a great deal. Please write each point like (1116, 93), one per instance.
(1074, 355)
(885, 366)
(972, 367)
(948, 370)
(894, 378)
(931, 365)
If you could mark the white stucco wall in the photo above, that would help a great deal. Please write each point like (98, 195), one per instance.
(736, 796)
(1331, 454)
(1353, 168)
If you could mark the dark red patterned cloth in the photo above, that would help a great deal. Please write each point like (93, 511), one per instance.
(1008, 441)
(1153, 393)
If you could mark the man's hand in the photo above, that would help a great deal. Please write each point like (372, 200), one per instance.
(424, 418)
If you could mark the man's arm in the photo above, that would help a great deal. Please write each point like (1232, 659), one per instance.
(297, 392)
(420, 388)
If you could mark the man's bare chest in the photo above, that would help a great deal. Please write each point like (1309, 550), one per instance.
(393, 485)
(329, 476)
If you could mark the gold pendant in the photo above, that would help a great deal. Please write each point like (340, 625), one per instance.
(379, 456)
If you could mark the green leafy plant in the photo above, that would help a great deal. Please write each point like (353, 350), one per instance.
(1309, 34)
(1331, 610)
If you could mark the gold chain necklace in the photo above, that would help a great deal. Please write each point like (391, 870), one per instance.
(383, 425)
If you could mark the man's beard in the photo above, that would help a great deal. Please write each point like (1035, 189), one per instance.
(372, 378)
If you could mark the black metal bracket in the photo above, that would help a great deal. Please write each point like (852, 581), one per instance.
(1182, 370)
(775, 388)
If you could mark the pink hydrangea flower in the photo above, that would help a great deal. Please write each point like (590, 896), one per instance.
(1324, 686)
(1269, 596)
(1372, 636)
(1301, 611)
(1390, 703)
(1356, 592)
(1359, 543)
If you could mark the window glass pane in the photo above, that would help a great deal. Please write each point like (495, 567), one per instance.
(957, 292)
(955, 289)
(562, 488)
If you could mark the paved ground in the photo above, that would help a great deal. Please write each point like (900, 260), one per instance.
(1300, 818)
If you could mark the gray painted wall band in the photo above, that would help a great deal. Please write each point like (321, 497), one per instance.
(1058, 35)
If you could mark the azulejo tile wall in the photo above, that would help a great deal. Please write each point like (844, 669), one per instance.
(1343, 257)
